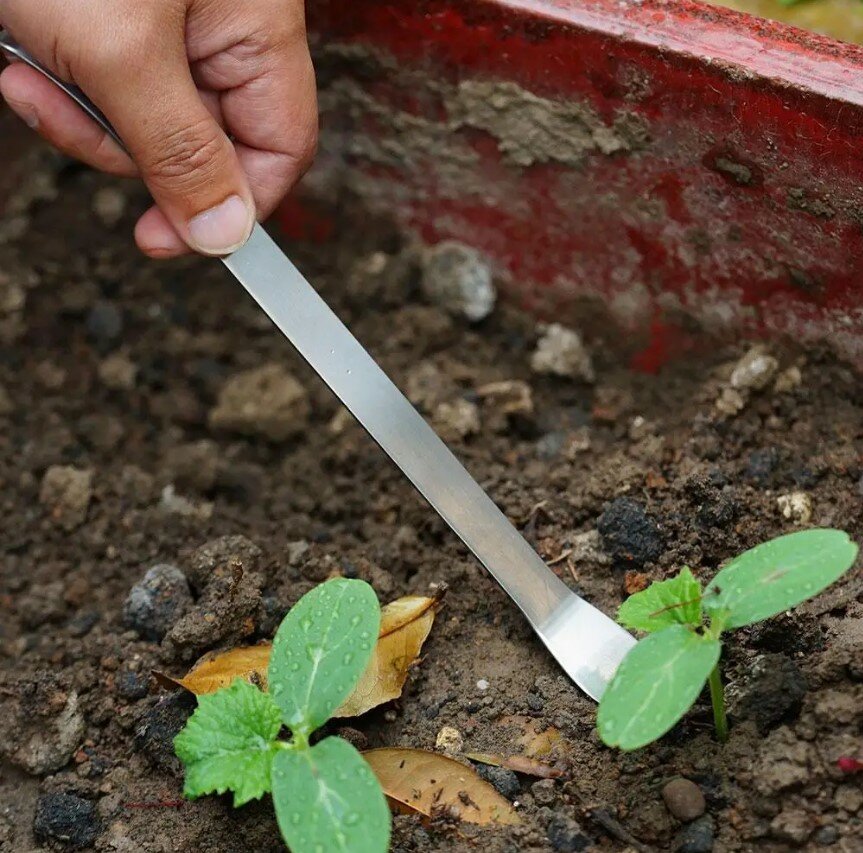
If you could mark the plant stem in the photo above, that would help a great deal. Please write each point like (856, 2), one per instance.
(717, 697)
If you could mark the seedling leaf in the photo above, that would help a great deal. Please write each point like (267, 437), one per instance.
(320, 651)
(229, 742)
(673, 602)
(327, 798)
(777, 575)
(655, 686)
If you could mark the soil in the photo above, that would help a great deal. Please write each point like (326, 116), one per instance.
(119, 454)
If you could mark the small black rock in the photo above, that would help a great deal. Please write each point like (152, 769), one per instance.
(503, 779)
(132, 685)
(104, 324)
(629, 535)
(696, 837)
(566, 835)
(67, 818)
(761, 465)
(158, 728)
(826, 836)
(769, 690)
(157, 602)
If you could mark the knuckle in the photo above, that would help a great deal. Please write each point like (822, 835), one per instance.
(187, 157)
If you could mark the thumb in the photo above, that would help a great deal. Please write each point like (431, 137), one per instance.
(185, 158)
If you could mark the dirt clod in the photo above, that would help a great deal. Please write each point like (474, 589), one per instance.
(265, 401)
(68, 819)
(629, 535)
(768, 690)
(66, 493)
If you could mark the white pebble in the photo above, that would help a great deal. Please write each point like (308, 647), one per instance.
(482, 684)
(796, 507)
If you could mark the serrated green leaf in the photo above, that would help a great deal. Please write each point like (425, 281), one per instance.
(676, 601)
(327, 798)
(228, 743)
(654, 686)
(321, 649)
(777, 575)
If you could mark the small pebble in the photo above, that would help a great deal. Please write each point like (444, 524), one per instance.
(754, 371)
(566, 834)
(459, 279)
(561, 352)
(157, 602)
(504, 780)
(131, 685)
(796, 507)
(104, 324)
(826, 836)
(696, 837)
(68, 819)
(683, 799)
(482, 684)
(450, 740)
(118, 372)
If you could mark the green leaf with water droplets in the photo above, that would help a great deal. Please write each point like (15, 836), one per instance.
(228, 743)
(778, 575)
(328, 799)
(654, 686)
(664, 603)
(321, 649)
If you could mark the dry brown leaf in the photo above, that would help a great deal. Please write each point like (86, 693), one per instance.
(517, 763)
(405, 624)
(536, 740)
(427, 782)
(216, 670)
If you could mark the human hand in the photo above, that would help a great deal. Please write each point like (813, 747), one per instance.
(215, 100)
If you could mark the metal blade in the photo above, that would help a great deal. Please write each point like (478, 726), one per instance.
(586, 643)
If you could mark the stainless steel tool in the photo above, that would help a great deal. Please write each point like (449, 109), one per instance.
(586, 643)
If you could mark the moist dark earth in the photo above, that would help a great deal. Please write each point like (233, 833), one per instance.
(151, 421)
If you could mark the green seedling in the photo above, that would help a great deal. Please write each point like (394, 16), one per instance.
(664, 674)
(325, 795)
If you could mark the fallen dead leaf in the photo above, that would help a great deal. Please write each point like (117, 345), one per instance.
(405, 625)
(517, 763)
(428, 783)
(219, 669)
(536, 740)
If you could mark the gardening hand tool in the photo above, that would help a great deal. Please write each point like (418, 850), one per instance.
(586, 643)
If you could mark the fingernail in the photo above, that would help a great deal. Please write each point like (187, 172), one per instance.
(223, 229)
(26, 112)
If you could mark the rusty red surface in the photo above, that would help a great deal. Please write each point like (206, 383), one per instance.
(716, 185)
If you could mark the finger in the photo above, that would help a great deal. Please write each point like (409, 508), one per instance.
(187, 161)
(57, 118)
(269, 105)
(157, 238)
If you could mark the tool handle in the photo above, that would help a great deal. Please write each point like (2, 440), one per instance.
(14, 50)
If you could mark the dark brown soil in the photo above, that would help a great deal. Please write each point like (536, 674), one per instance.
(81, 717)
